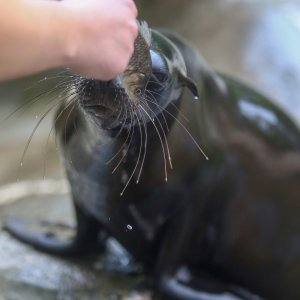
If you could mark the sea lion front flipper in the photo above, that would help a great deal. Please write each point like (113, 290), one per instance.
(84, 240)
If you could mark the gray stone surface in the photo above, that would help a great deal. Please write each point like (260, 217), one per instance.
(257, 41)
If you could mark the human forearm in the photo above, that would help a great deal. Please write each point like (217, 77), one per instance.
(93, 37)
(30, 37)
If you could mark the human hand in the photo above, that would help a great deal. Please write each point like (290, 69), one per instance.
(99, 35)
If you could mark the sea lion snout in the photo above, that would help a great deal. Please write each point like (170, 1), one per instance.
(154, 78)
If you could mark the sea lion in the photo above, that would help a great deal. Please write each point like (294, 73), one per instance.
(207, 229)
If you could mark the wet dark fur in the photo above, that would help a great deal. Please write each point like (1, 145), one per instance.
(227, 226)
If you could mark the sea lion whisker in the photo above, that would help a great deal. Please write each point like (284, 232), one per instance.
(164, 135)
(159, 107)
(151, 94)
(161, 141)
(67, 72)
(46, 78)
(61, 83)
(71, 101)
(120, 107)
(120, 131)
(161, 87)
(146, 105)
(156, 82)
(158, 94)
(28, 103)
(50, 132)
(185, 129)
(141, 140)
(162, 113)
(34, 130)
(67, 75)
(190, 135)
(162, 108)
(139, 156)
(64, 93)
(127, 148)
(71, 77)
(82, 92)
(67, 120)
(165, 85)
(117, 118)
(180, 112)
(65, 98)
(145, 145)
(123, 107)
(63, 73)
(127, 137)
(131, 123)
(123, 123)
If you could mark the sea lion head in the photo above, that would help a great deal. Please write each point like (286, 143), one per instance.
(155, 77)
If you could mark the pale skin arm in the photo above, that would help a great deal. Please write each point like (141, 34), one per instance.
(94, 38)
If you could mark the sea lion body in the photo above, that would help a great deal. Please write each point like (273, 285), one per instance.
(224, 226)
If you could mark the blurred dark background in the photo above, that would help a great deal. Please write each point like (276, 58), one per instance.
(256, 41)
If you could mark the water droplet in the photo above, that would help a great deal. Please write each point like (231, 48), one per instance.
(196, 97)
(129, 227)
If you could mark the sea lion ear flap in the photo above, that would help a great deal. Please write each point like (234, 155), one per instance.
(190, 84)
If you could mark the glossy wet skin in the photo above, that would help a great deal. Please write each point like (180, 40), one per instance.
(224, 226)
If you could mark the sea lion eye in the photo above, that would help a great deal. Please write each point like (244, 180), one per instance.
(159, 66)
